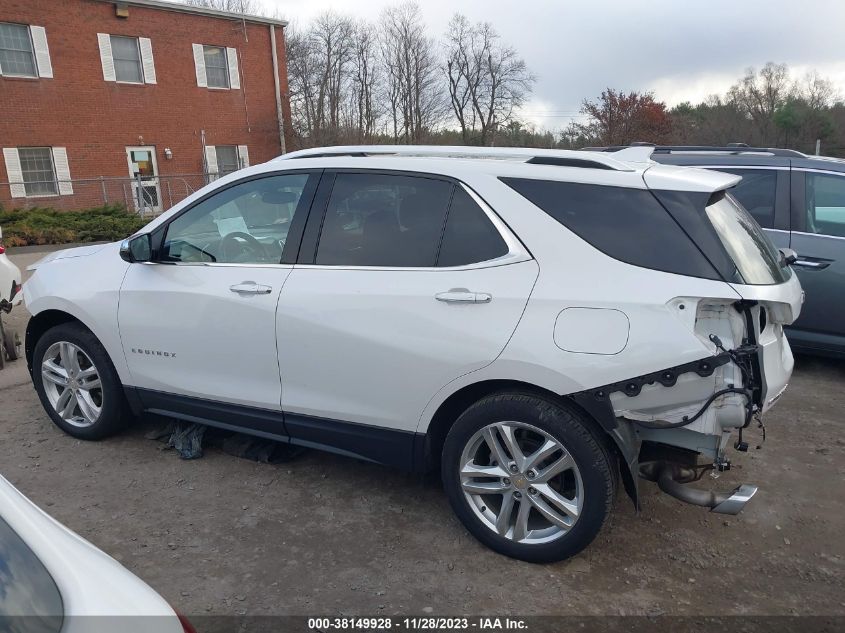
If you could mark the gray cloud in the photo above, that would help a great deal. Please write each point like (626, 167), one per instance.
(681, 49)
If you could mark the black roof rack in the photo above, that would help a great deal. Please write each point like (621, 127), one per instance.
(730, 148)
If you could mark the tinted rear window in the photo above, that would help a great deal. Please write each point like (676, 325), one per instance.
(627, 224)
(29, 599)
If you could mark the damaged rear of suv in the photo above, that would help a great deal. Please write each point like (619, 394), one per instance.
(674, 319)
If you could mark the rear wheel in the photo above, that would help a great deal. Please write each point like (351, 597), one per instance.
(77, 384)
(527, 476)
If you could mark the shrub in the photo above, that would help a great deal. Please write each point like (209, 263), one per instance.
(50, 226)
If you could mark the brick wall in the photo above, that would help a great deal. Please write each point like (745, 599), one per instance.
(96, 120)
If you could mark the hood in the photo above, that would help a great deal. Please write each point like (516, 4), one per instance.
(78, 251)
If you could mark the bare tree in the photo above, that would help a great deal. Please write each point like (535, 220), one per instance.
(412, 84)
(250, 7)
(760, 95)
(488, 80)
(320, 65)
(366, 80)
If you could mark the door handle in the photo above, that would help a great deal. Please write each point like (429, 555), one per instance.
(250, 288)
(809, 263)
(462, 295)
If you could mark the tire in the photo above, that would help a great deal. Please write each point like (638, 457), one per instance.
(2, 344)
(11, 345)
(575, 471)
(106, 401)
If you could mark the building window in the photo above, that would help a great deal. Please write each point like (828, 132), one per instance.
(216, 66)
(24, 51)
(39, 174)
(127, 59)
(225, 159)
(37, 171)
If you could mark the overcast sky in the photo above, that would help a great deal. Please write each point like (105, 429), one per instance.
(680, 49)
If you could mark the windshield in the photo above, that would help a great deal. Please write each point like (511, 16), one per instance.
(754, 255)
(29, 599)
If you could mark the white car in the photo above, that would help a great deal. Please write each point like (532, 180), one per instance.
(10, 296)
(535, 323)
(54, 581)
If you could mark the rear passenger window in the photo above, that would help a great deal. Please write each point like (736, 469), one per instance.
(627, 224)
(470, 237)
(383, 220)
(756, 192)
(825, 204)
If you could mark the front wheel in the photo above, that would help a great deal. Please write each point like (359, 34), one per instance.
(528, 477)
(77, 383)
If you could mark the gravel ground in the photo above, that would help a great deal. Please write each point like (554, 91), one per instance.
(325, 535)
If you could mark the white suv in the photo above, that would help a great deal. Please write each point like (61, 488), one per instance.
(535, 323)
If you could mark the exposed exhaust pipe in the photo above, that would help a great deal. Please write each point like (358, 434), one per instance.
(721, 502)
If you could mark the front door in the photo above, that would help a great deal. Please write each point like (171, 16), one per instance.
(392, 307)
(820, 244)
(145, 186)
(200, 321)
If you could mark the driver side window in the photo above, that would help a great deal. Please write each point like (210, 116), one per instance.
(246, 223)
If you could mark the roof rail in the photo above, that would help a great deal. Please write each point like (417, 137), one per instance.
(562, 158)
(730, 148)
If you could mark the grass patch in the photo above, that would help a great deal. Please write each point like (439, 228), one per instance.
(48, 226)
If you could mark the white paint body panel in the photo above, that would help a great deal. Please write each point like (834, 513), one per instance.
(9, 274)
(224, 342)
(373, 346)
(591, 330)
(85, 283)
(90, 582)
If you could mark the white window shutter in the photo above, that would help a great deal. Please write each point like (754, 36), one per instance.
(106, 58)
(234, 76)
(14, 173)
(62, 171)
(199, 64)
(211, 160)
(243, 155)
(147, 59)
(42, 51)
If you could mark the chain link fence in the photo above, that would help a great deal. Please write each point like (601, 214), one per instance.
(145, 196)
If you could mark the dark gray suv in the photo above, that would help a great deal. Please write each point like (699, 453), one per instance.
(800, 201)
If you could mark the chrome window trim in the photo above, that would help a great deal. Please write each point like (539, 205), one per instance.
(517, 252)
(830, 237)
(754, 167)
(814, 170)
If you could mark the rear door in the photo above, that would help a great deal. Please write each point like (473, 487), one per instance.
(404, 283)
(818, 236)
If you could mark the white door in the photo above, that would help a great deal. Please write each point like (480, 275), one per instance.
(200, 321)
(386, 316)
(145, 186)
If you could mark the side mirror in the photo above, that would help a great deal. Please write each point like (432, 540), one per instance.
(788, 256)
(136, 249)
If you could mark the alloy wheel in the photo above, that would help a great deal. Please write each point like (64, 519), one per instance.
(521, 482)
(72, 384)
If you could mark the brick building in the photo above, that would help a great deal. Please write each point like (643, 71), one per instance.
(133, 101)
